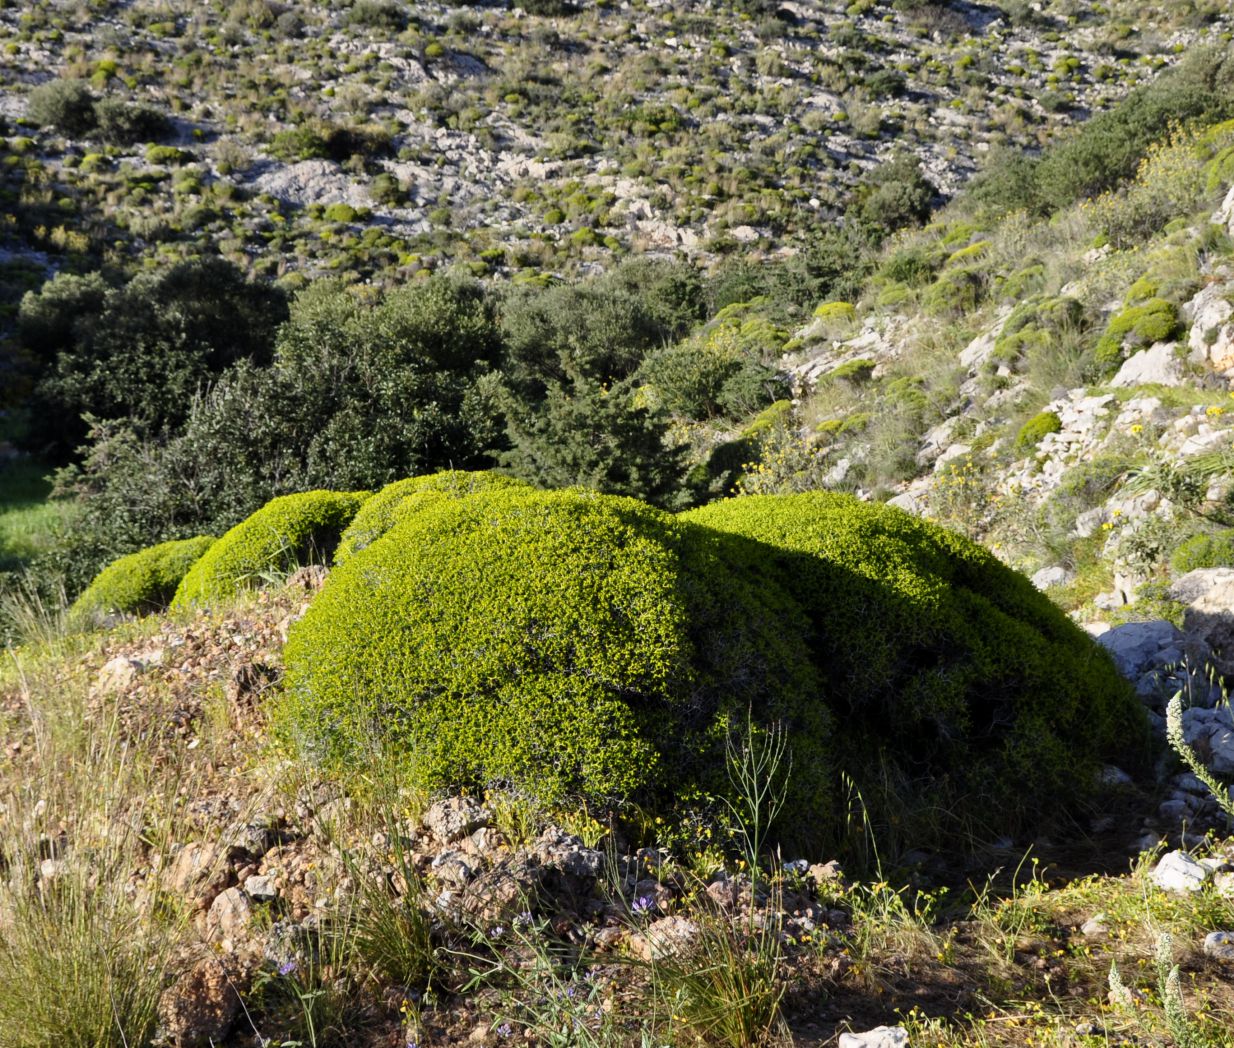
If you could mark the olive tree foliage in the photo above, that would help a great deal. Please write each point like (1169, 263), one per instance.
(140, 351)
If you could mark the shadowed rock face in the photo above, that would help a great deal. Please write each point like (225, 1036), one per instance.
(1208, 621)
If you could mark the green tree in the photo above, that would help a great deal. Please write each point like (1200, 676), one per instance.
(596, 437)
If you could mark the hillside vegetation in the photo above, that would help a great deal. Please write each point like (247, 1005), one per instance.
(616, 524)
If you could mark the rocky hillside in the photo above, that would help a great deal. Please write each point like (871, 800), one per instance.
(379, 137)
(814, 629)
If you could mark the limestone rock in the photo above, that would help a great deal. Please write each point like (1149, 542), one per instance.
(1225, 213)
(200, 1008)
(118, 675)
(1136, 646)
(881, 1037)
(1219, 946)
(455, 818)
(1049, 578)
(1209, 618)
(229, 915)
(667, 937)
(1212, 334)
(1179, 872)
(1158, 365)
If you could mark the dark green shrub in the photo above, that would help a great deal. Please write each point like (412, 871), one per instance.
(396, 501)
(1204, 551)
(142, 351)
(955, 685)
(288, 531)
(125, 124)
(595, 437)
(565, 643)
(141, 582)
(66, 105)
(378, 14)
(897, 194)
(1035, 429)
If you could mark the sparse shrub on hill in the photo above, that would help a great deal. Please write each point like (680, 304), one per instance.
(1036, 429)
(288, 531)
(124, 123)
(393, 503)
(1204, 551)
(897, 194)
(956, 686)
(141, 582)
(1109, 147)
(566, 643)
(1136, 327)
(66, 105)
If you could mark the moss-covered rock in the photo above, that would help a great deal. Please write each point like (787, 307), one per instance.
(956, 686)
(396, 501)
(141, 582)
(287, 531)
(568, 643)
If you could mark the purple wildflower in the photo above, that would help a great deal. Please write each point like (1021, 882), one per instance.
(643, 904)
(287, 967)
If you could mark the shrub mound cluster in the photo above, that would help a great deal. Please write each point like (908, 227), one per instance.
(141, 582)
(395, 502)
(286, 532)
(564, 642)
(577, 645)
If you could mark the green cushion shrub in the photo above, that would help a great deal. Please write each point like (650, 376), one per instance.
(1155, 320)
(395, 502)
(955, 686)
(1204, 551)
(1035, 430)
(141, 582)
(286, 532)
(576, 645)
(565, 643)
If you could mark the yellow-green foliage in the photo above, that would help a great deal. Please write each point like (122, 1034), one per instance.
(1205, 551)
(1035, 429)
(768, 419)
(948, 674)
(836, 311)
(565, 642)
(1155, 320)
(956, 291)
(396, 501)
(574, 644)
(855, 371)
(1033, 326)
(285, 532)
(141, 582)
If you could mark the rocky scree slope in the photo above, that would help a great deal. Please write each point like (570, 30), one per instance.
(377, 138)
